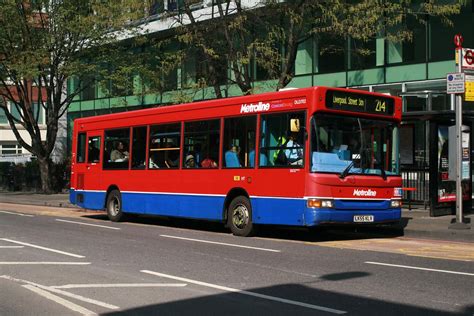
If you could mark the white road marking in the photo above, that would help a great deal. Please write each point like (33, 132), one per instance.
(11, 247)
(90, 286)
(87, 224)
(19, 214)
(43, 248)
(220, 243)
(51, 289)
(263, 296)
(42, 263)
(59, 300)
(418, 268)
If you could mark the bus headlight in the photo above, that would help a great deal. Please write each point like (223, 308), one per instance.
(318, 203)
(395, 203)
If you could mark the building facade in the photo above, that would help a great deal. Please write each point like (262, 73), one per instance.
(414, 70)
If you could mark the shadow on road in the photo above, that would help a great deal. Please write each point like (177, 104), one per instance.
(315, 234)
(312, 299)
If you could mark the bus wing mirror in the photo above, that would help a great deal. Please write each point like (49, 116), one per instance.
(295, 125)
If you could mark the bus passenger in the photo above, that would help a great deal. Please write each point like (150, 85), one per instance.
(209, 163)
(119, 154)
(190, 162)
(232, 157)
(262, 161)
(295, 152)
(152, 163)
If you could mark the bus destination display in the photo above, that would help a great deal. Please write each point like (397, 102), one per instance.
(354, 102)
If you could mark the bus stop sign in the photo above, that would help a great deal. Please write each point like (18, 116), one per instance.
(469, 57)
(455, 83)
(458, 39)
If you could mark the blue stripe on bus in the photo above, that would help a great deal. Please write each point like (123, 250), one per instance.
(361, 204)
(93, 200)
(327, 216)
(266, 210)
(190, 206)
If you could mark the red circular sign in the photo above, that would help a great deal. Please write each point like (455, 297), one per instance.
(469, 57)
(458, 39)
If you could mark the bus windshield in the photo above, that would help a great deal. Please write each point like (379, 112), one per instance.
(353, 145)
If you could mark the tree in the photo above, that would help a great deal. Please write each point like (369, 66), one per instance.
(269, 33)
(43, 43)
(223, 39)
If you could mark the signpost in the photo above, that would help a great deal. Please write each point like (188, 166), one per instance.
(456, 85)
(469, 94)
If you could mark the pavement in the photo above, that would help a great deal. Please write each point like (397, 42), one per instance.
(415, 222)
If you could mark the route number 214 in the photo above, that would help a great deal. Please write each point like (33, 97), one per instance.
(380, 106)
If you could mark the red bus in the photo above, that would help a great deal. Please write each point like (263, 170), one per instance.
(301, 157)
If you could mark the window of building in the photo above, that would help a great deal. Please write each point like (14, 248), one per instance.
(10, 149)
(3, 116)
(239, 142)
(409, 51)
(282, 140)
(155, 7)
(330, 54)
(201, 144)
(304, 57)
(362, 54)
(164, 146)
(89, 89)
(139, 147)
(81, 148)
(217, 76)
(441, 35)
(15, 111)
(116, 149)
(38, 112)
(170, 79)
(93, 155)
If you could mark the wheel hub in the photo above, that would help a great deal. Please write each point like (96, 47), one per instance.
(240, 216)
(114, 206)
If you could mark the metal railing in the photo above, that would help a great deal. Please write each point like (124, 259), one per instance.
(419, 182)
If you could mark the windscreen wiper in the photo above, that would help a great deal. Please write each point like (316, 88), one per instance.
(344, 172)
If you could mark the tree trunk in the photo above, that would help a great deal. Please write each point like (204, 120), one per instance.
(45, 166)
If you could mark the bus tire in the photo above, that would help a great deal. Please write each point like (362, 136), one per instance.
(239, 217)
(114, 206)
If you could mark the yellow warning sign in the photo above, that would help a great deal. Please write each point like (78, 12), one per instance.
(469, 95)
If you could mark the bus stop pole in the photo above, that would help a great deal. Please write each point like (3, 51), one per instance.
(459, 223)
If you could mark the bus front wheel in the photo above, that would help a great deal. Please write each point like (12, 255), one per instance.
(239, 217)
(114, 206)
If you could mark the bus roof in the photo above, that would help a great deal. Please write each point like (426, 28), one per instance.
(308, 93)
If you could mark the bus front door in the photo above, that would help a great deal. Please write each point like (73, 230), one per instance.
(92, 184)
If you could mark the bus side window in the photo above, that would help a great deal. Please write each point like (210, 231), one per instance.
(94, 149)
(201, 141)
(239, 142)
(116, 148)
(282, 140)
(139, 147)
(164, 146)
(81, 148)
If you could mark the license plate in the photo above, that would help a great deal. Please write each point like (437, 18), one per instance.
(363, 218)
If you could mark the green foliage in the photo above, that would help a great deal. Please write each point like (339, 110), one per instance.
(26, 177)
(43, 43)
(268, 36)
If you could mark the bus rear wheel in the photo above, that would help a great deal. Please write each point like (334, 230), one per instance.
(239, 217)
(114, 206)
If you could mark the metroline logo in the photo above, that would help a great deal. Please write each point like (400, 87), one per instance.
(369, 192)
(252, 108)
